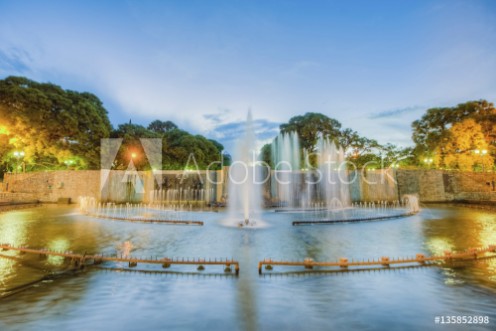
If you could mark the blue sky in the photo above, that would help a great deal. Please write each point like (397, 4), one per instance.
(373, 65)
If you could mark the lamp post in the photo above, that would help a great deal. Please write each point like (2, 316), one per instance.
(18, 155)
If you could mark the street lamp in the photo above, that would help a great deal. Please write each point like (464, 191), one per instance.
(18, 155)
(69, 163)
(481, 153)
(428, 161)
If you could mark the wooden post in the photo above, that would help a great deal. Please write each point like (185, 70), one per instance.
(343, 262)
(385, 261)
(308, 263)
(420, 258)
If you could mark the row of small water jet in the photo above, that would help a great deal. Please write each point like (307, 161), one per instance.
(361, 211)
(178, 195)
(409, 202)
(136, 212)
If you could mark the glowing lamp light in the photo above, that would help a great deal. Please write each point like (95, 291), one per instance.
(19, 154)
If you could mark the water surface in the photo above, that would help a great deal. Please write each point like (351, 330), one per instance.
(286, 299)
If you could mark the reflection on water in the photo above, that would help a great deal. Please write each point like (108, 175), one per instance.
(439, 245)
(13, 227)
(99, 299)
(458, 229)
(57, 245)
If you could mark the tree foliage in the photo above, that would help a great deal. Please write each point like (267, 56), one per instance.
(440, 133)
(359, 150)
(180, 149)
(459, 150)
(51, 125)
(309, 126)
(161, 126)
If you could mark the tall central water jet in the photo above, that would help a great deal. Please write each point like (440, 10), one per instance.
(245, 186)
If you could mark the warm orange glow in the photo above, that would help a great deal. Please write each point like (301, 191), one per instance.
(133, 155)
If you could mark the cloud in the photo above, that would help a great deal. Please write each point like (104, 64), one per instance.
(218, 117)
(15, 60)
(228, 133)
(396, 112)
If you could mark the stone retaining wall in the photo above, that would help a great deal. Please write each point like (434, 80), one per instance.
(50, 186)
(430, 185)
(445, 186)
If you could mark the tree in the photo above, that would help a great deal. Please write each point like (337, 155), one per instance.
(309, 126)
(459, 150)
(131, 147)
(52, 125)
(266, 155)
(433, 129)
(161, 127)
(359, 150)
(355, 145)
(178, 148)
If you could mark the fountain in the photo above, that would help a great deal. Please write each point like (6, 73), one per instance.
(334, 186)
(326, 186)
(287, 178)
(322, 191)
(245, 185)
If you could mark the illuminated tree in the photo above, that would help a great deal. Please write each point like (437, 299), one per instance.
(51, 124)
(432, 132)
(464, 148)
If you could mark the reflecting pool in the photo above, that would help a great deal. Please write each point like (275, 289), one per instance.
(114, 297)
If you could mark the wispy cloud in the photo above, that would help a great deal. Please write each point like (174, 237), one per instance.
(396, 112)
(15, 60)
(228, 133)
(218, 117)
